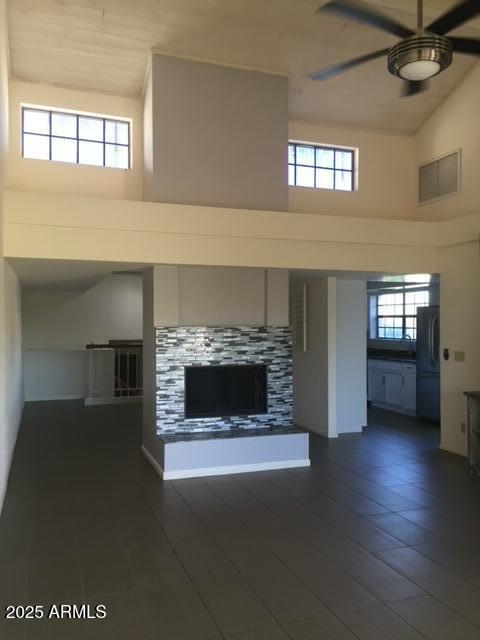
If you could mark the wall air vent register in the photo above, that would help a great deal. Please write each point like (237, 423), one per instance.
(439, 178)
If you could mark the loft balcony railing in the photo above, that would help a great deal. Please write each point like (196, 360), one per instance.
(114, 371)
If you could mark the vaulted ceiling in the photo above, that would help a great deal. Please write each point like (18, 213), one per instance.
(103, 45)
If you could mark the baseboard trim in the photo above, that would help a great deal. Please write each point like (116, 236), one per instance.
(226, 470)
(351, 434)
(453, 450)
(43, 399)
(152, 460)
(121, 400)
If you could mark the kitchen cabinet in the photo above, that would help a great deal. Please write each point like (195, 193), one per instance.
(378, 386)
(393, 389)
(393, 385)
(409, 372)
(410, 394)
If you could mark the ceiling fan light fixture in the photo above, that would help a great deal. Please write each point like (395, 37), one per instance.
(420, 57)
(419, 70)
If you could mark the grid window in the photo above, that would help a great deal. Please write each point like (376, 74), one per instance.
(75, 138)
(320, 167)
(396, 315)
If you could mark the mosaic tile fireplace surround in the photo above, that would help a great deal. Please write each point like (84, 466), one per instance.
(180, 347)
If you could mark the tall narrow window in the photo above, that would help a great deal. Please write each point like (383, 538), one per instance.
(320, 167)
(76, 138)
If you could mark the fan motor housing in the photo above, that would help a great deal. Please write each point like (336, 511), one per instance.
(425, 46)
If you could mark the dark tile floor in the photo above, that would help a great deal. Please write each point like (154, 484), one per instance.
(379, 539)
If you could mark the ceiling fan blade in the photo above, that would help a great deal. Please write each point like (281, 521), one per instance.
(361, 12)
(329, 72)
(466, 45)
(455, 16)
(412, 87)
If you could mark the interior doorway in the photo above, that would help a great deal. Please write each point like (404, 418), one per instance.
(403, 345)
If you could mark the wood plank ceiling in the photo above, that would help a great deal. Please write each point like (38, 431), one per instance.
(103, 45)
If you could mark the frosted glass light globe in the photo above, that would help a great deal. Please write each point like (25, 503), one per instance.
(419, 70)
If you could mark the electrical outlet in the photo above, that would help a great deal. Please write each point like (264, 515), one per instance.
(463, 427)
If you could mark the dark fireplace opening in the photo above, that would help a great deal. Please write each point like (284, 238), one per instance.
(225, 390)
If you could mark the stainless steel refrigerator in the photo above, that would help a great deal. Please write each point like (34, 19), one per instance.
(428, 363)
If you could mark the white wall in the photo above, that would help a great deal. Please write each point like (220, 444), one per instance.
(147, 136)
(386, 175)
(11, 390)
(459, 331)
(330, 377)
(150, 318)
(220, 296)
(454, 124)
(57, 325)
(5, 452)
(310, 368)
(351, 355)
(54, 375)
(13, 346)
(219, 135)
(112, 309)
(25, 174)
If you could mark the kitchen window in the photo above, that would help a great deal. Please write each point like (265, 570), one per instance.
(393, 314)
(321, 167)
(76, 138)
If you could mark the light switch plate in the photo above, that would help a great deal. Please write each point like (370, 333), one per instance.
(459, 356)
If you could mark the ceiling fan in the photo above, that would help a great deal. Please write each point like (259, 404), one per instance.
(420, 54)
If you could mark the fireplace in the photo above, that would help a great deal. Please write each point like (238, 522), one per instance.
(225, 390)
(182, 352)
